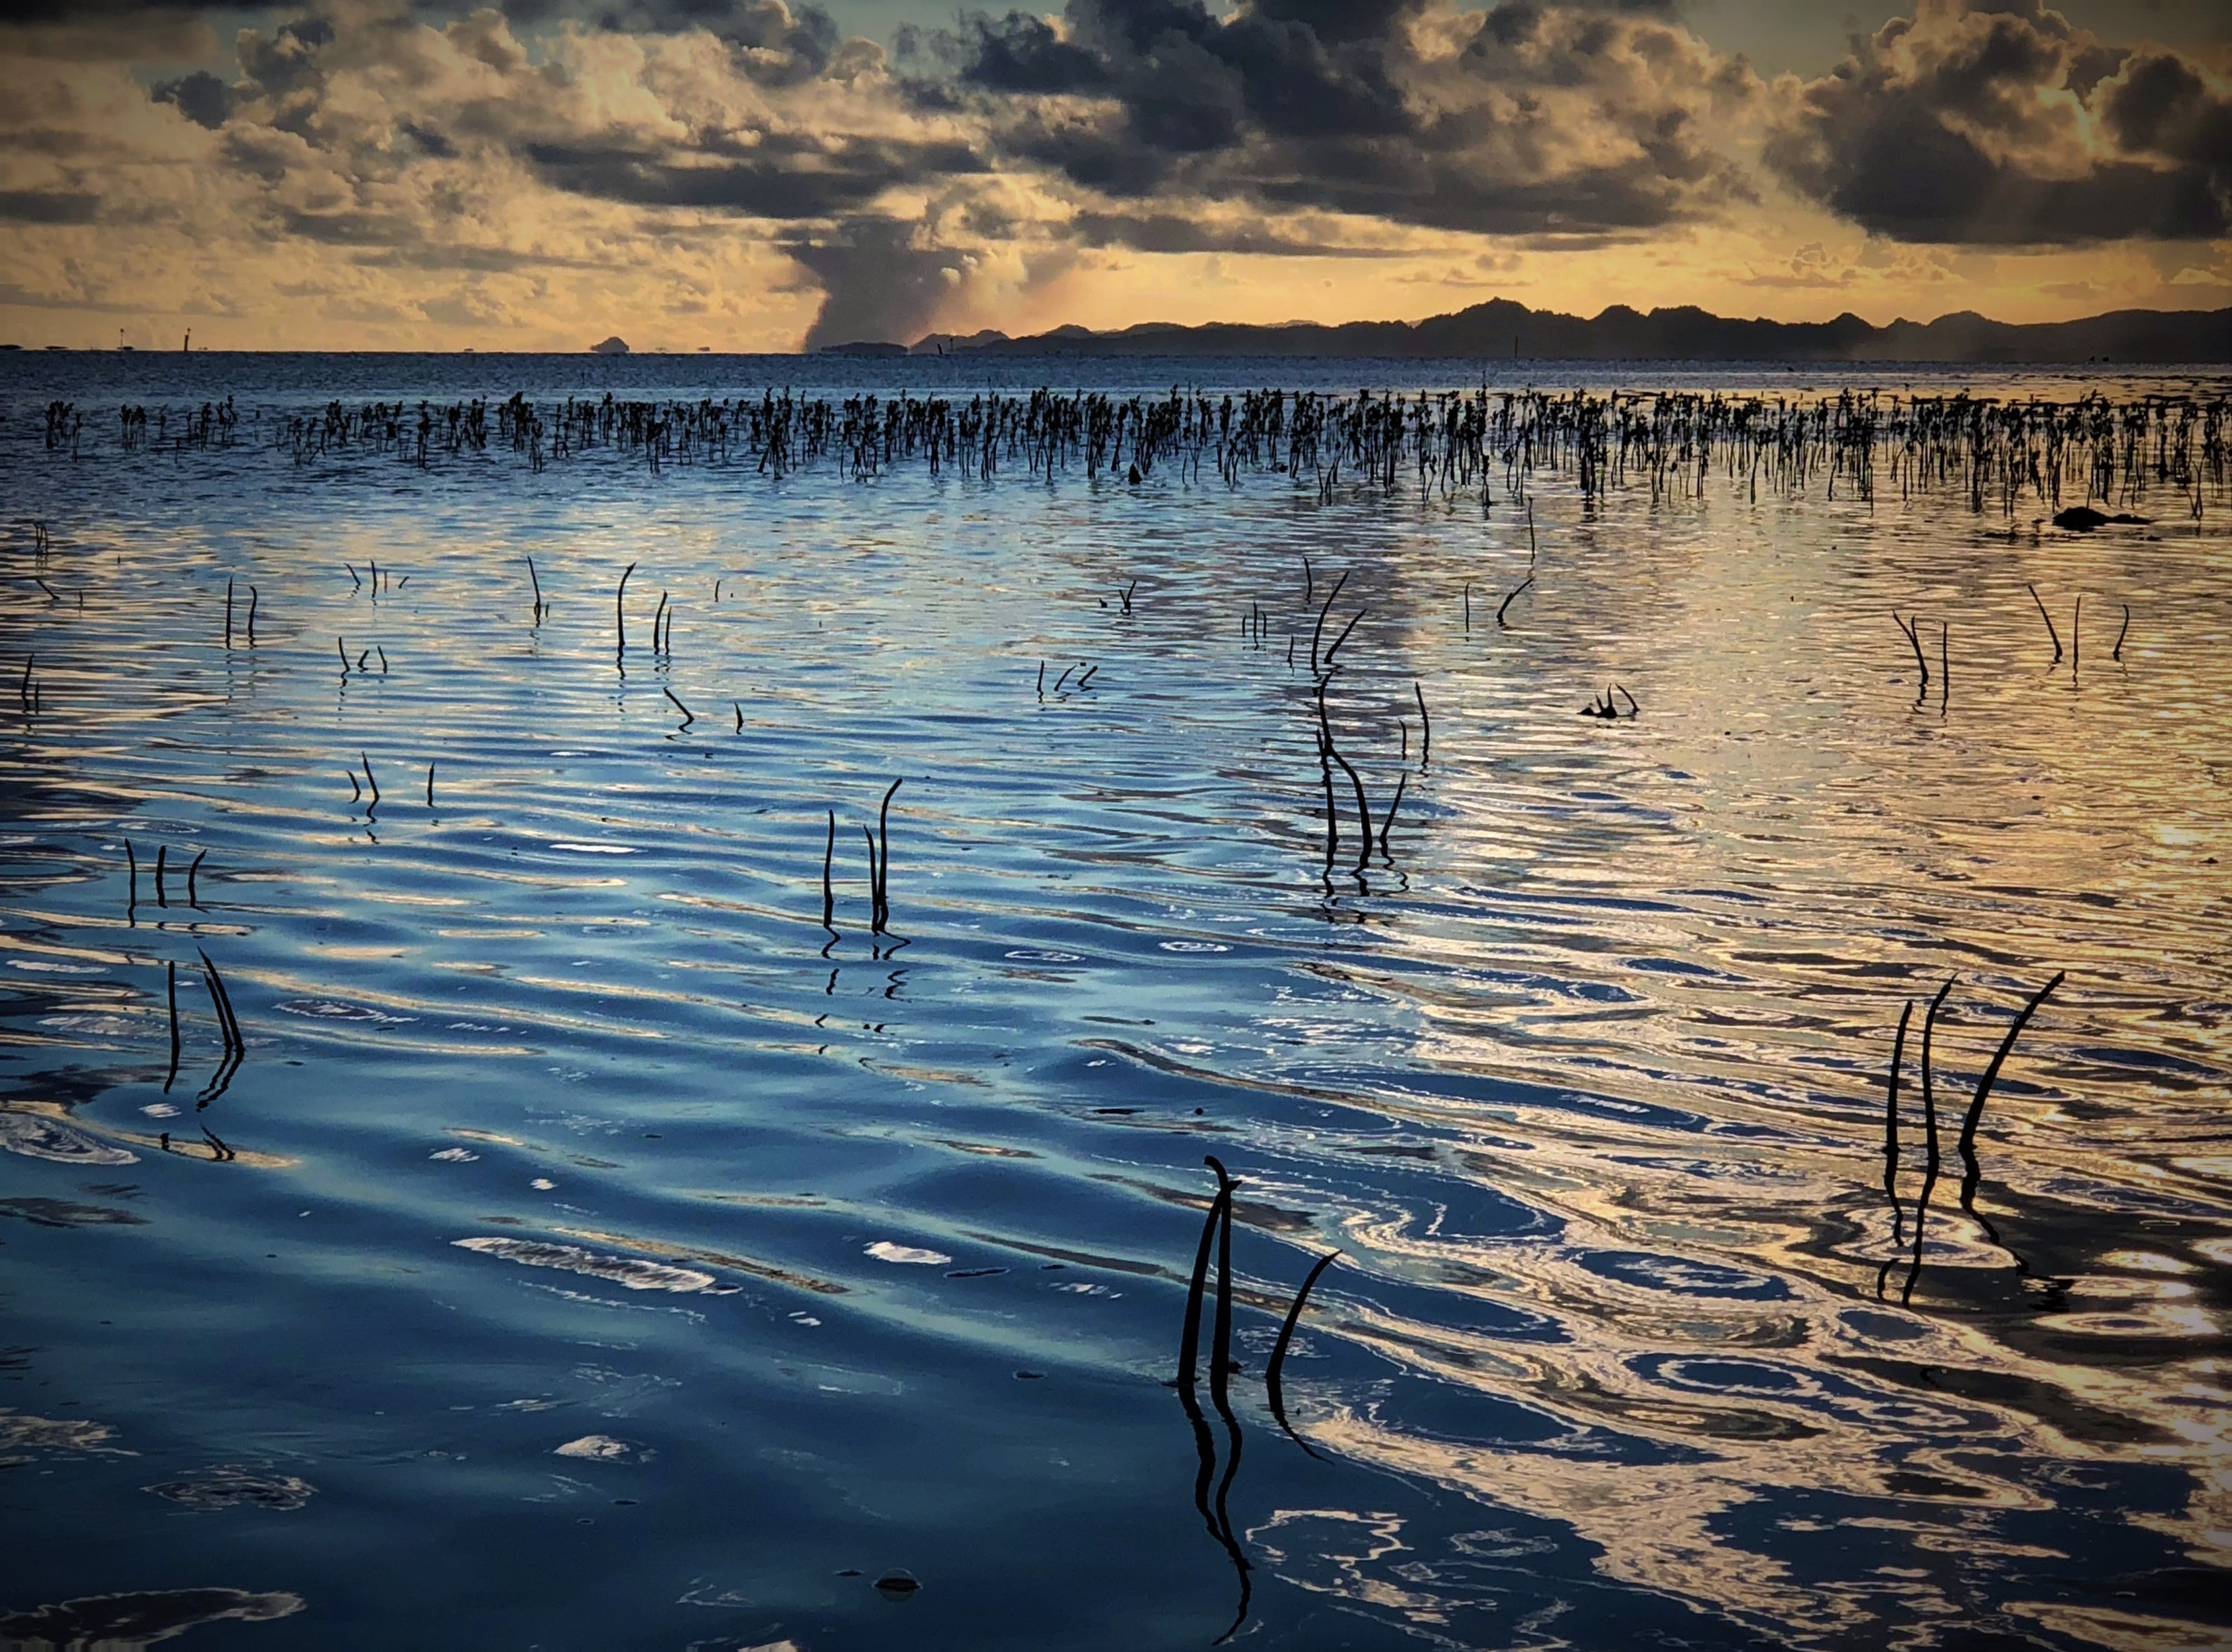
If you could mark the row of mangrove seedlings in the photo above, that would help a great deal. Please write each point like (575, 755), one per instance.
(1999, 453)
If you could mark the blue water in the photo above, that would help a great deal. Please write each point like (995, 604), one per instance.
(590, 1249)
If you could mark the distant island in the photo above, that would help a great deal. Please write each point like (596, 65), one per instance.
(1501, 330)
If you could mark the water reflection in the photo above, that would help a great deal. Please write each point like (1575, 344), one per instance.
(1569, 1036)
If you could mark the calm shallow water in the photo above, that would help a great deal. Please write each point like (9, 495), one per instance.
(610, 1259)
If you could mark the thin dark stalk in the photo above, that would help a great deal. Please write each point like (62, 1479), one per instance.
(1509, 600)
(228, 610)
(1968, 1143)
(1220, 1352)
(1944, 666)
(687, 718)
(1274, 1387)
(537, 583)
(171, 970)
(1343, 637)
(619, 608)
(132, 861)
(430, 785)
(1929, 1141)
(658, 614)
(1332, 817)
(1388, 824)
(828, 890)
(2047, 617)
(1190, 1334)
(371, 782)
(1318, 634)
(193, 870)
(2117, 654)
(875, 886)
(1426, 725)
(2076, 636)
(883, 861)
(162, 854)
(342, 648)
(1468, 607)
(1363, 808)
(222, 999)
(1890, 1107)
(252, 599)
(1908, 626)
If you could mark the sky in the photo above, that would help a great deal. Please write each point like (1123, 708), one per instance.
(771, 175)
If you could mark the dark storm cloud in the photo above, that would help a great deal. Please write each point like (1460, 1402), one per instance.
(778, 176)
(775, 44)
(1945, 127)
(201, 97)
(1170, 232)
(877, 285)
(1526, 118)
(48, 206)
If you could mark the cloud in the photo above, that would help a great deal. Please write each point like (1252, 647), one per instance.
(48, 206)
(2007, 125)
(201, 97)
(1525, 119)
(741, 168)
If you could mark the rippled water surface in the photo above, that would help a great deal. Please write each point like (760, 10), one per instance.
(588, 1249)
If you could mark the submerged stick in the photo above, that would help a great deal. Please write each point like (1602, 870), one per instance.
(884, 863)
(2047, 617)
(1343, 637)
(1509, 600)
(1318, 634)
(228, 1022)
(1968, 1143)
(875, 886)
(1890, 1106)
(1363, 808)
(228, 610)
(1426, 725)
(1930, 1142)
(430, 785)
(1908, 626)
(170, 971)
(2076, 636)
(687, 717)
(536, 583)
(251, 616)
(828, 892)
(1220, 1350)
(2116, 654)
(1388, 824)
(1274, 1387)
(1944, 666)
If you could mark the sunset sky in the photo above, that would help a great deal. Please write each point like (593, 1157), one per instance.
(749, 175)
